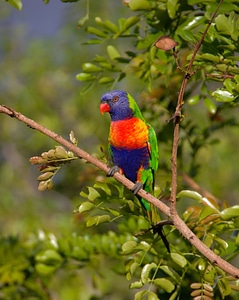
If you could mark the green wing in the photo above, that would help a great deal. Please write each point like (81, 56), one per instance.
(153, 149)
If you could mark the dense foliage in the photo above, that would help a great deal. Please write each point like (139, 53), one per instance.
(108, 246)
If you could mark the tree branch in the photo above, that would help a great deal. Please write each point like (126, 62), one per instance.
(178, 223)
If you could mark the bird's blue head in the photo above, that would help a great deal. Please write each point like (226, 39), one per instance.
(117, 104)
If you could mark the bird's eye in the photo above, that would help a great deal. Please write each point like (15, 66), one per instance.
(115, 99)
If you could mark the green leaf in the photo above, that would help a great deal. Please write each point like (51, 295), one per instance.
(96, 220)
(140, 5)
(196, 196)
(193, 100)
(44, 270)
(129, 247)
(107, 25)
(224, 287)
(105, 80)
(229, 85)
(228, 26)
(210, 57)
(210, 105)
(140, 295)
(96, 31)
(49, 257)
(223, 244)
(89, 67)
(93, 193)
(179, 259)
(164, 284)
(85, 77)
(85, 206)
(190, 194)
(171, 272)
(145, 274)
(126, 24)
(222, 95)
(230, 212)
(104, 186)
(16, 3)
(133, 267)
(205, 212)
(152, 296)
(112, 52)
(136, 285)
(172, 7)
(186, 35)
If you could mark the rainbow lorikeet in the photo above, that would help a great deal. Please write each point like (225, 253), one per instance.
(132, 145)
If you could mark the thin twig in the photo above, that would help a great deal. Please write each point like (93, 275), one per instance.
(179, 224)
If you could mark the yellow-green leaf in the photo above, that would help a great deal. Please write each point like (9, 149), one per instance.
(164, 284)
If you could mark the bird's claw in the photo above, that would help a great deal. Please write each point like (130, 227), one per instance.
(135, 189)
(112, 171)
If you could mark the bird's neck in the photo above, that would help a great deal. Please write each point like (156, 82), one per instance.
(124, 114)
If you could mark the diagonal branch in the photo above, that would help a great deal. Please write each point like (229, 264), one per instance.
(178, 223)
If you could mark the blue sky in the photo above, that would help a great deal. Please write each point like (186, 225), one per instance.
(39, 19)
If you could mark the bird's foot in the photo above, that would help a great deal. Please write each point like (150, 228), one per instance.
(135, 189)
(112, 171)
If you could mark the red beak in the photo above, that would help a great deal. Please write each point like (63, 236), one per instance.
(104, 107)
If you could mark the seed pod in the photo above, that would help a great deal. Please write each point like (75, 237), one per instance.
(45, 176)
(60, 152)
(35, 160)
(51, 154)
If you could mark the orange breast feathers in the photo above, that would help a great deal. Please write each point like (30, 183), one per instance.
(128, 134)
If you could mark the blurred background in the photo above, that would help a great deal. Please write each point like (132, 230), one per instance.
(41, 51)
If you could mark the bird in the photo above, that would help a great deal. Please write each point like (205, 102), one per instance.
(132, 145)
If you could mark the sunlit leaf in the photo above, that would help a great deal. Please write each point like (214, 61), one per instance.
(189, 194)
(230, 212)
(193, 100)
(179, 259)
(140, 5)
(136, 285)
(228, 25)
(223, 95)
(85, 77)
(129, 247)
(164, 284)
(112, 52)
(85, 206)
(89, 68)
